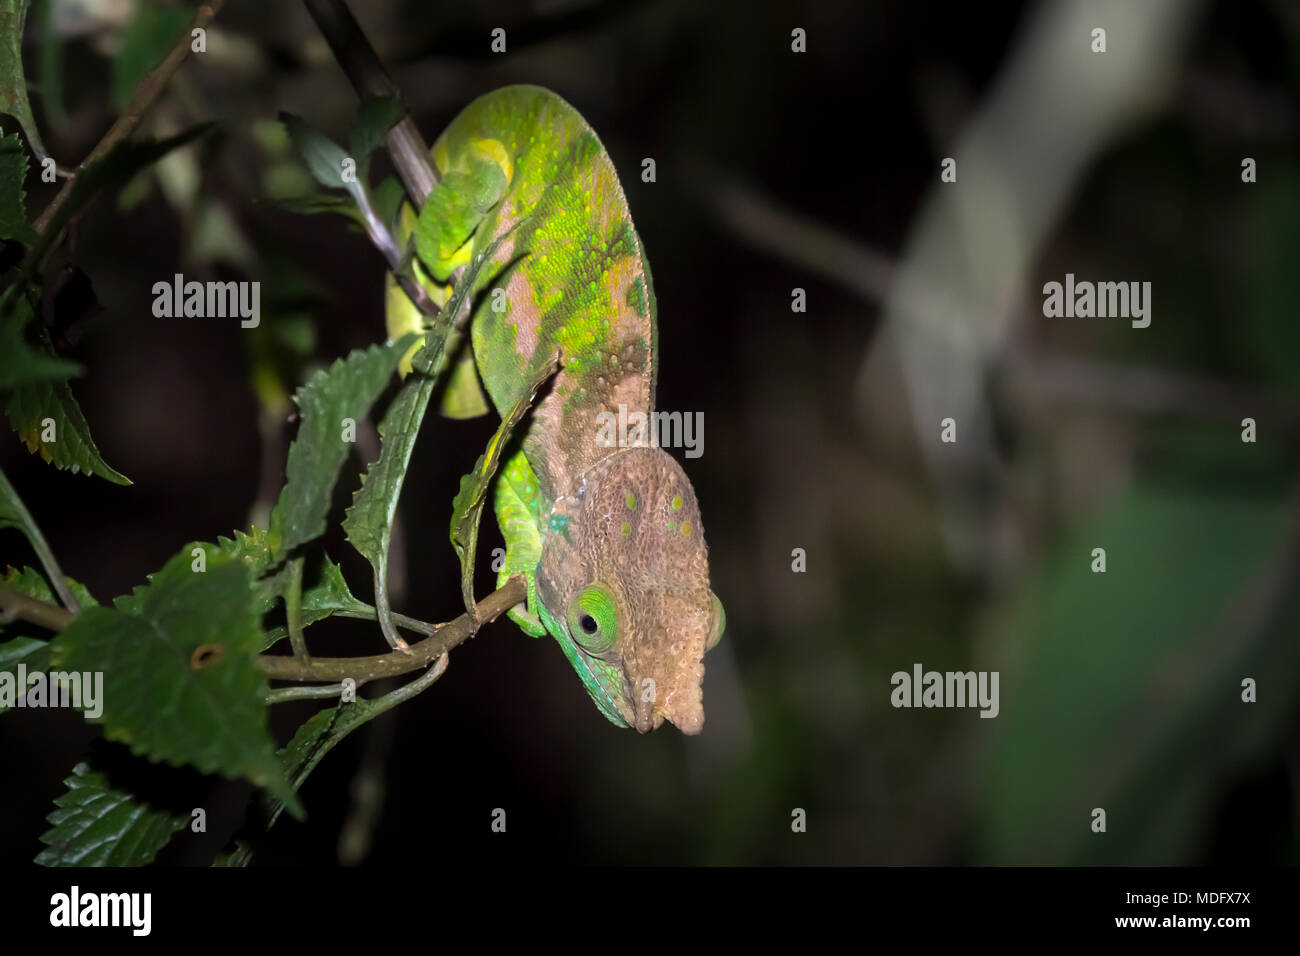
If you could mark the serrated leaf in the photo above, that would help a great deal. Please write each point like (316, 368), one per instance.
(467, 506)
(13, 197)
(13, 82)
(98, 825)
(345, 391)
(32, 583)
(32, 654)
(329, 596)
(21, 362)
(369, 520)
(332, 594)
(253, 550)
(32, 403)
(181, 681)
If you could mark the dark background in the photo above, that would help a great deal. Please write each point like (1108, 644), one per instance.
(1118, 691)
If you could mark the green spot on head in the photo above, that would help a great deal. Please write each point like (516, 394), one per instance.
(631, 502)
(625, 529)
(677, 502)
(672, 526)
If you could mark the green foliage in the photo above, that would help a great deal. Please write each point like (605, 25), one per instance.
(369, 519)
(181, 683)
(467, 506)
(30, 582)
(344, 392)
(97, 825)
(1122, 679)
(21, 363)
(145, 41)
(375, 117)
(13, 196)
(31, 404)
(13, 81)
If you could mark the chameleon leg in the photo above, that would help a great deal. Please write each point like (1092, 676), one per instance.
(518, 509)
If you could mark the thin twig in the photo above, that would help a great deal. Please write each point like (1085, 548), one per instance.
(146, 92)
(363, 669)
(49, 616)
(282, 694)
(409, 152)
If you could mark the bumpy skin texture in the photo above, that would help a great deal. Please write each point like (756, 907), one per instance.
(607, 536)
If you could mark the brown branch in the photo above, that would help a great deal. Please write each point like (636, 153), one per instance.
(409, 152)
(146, 92)
(363, 669)
(19, 605)
(330, 669)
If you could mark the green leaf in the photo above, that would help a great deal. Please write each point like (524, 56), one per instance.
(467, 506)
(388, 198)
(114, 170)
(145, 41)
(327, 597)
(13, 197)
(345, 391)
(14, 514)
(98, 825)
(326, 728)
(1122, 689)
(323, 156)
(13, 82)
(369, 520)
(20, 362)
(313, 204)
(30, 582)
(72, 448)
(253, 550)
(181, 681)
(375, 117)
(34, 655)
(332, 594)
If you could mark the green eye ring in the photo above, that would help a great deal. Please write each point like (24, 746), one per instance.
(719, 623)
(593, 619)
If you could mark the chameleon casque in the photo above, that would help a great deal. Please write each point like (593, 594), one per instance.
(608, 538)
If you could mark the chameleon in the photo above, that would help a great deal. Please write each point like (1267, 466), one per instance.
(607, 537)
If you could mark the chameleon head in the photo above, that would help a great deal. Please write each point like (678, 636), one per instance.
(624, 587)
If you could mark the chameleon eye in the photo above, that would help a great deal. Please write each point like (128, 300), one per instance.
(719, 623)
(593, 619)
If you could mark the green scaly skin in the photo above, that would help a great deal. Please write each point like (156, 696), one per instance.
(608, 538)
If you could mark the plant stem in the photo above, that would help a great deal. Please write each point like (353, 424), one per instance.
(418, 655)
(146, 92)
(47, 615)
(409, 152)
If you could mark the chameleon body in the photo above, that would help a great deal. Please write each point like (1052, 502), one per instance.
(608, 538)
